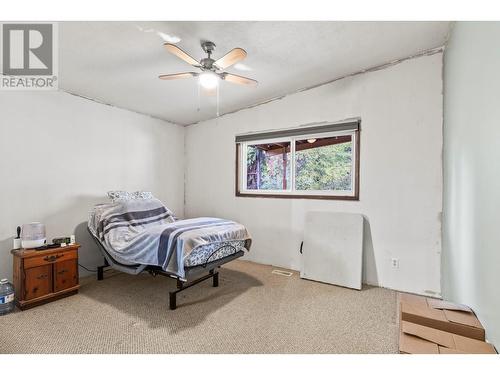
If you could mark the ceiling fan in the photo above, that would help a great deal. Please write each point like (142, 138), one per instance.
(211, 70)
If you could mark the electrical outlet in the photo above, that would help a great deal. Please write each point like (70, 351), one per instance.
(395, 263)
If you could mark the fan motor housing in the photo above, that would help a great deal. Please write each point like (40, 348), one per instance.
(207, 63)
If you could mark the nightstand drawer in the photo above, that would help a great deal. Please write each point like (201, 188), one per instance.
(51, 258)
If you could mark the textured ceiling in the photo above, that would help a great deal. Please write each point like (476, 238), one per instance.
(118, 62)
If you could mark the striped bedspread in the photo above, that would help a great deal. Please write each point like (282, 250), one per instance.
(144, 232)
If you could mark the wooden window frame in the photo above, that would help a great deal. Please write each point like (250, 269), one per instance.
(280, 195)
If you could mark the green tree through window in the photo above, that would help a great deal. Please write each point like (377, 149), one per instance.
(324, 168)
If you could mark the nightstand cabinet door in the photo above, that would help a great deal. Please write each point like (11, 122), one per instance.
(66, 274)
(38, 281)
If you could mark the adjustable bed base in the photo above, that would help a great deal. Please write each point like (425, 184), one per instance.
(208, 270)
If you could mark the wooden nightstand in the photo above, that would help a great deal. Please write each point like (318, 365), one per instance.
(41, 276)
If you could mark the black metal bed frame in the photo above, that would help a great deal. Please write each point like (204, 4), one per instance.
(182, 284)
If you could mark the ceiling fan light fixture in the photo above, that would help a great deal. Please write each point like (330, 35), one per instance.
(208, 80)
(311, 140)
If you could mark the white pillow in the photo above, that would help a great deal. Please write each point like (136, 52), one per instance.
(142, 195)
(119, 195)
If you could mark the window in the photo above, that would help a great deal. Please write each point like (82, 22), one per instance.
(313, 162)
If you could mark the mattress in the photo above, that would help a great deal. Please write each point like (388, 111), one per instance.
(199, 256)
(214, 251)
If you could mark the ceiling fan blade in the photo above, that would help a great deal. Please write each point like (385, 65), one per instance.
(172, 48)
(177, 75)
(230, 58)
(234, 78)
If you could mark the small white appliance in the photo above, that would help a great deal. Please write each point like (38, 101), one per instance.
(33, 235)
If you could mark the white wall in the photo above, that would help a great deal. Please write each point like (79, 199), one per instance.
(59, 154)
(401, 174)
(471, 234)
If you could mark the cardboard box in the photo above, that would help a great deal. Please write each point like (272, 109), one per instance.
(417, 339)
(441, 315)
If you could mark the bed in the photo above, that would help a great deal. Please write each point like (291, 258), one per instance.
(140, 235)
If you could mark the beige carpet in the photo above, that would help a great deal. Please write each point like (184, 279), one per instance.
(252, 311)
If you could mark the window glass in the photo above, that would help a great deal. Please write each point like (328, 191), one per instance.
(268, 166)
(324, 163)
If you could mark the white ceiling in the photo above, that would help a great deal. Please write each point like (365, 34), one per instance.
(118, 62)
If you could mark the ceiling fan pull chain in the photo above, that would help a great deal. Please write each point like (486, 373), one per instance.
(218, 100)
(198, 109)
